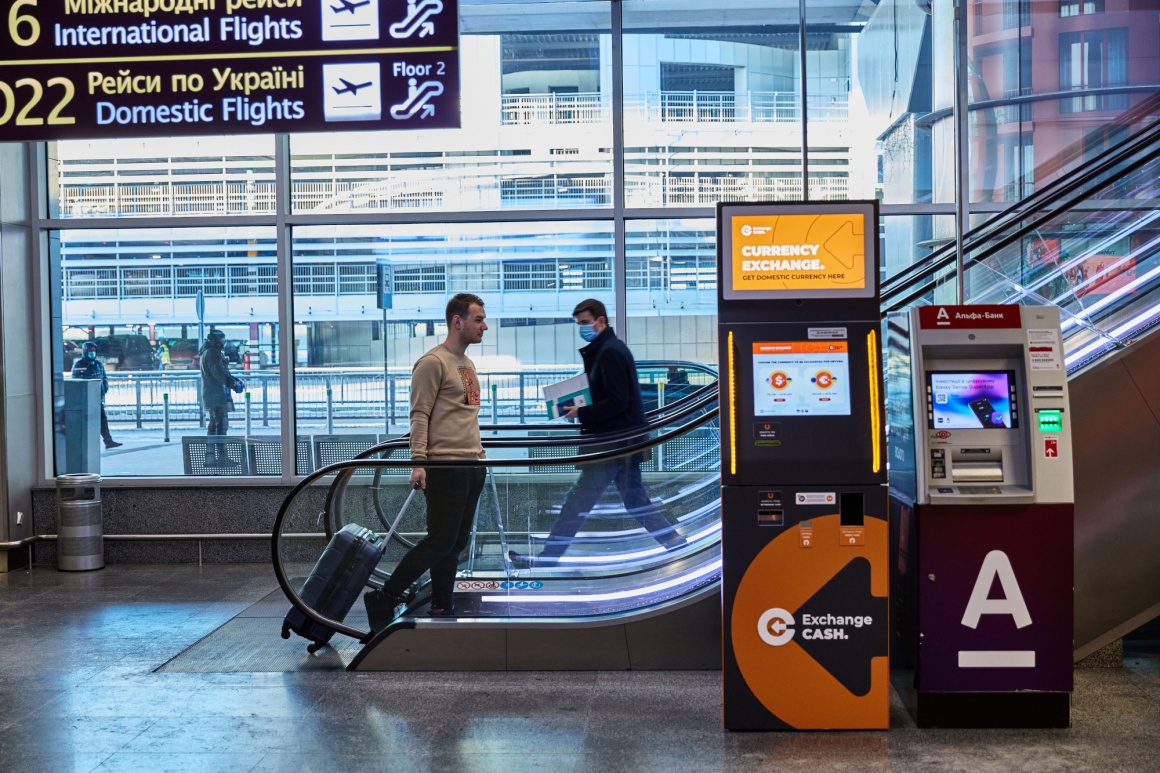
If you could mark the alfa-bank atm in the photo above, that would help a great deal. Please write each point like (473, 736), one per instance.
(805, 577)
(981, 515)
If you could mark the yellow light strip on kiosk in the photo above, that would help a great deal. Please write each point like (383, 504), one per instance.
(875, 407)
(732, 413)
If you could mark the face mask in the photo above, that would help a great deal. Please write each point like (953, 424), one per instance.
(588, 332)
(91, 355)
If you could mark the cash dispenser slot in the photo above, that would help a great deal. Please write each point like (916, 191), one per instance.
(977, 465)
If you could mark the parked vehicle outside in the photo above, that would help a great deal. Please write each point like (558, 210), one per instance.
(72, 350)
(126, 352)
(182, 353)
(235, 350)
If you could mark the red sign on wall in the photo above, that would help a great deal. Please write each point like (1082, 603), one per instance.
(959, 317)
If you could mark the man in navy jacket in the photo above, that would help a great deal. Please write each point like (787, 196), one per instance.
(89, 367)
(616, 406)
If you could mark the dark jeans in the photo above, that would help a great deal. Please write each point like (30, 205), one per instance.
(594, 479)
(452, 494)
(218, 425)
(105, 434)
(219, 421)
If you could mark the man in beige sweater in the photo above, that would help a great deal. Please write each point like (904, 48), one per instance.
(444, 426)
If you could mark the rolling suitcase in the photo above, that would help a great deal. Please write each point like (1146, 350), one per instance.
(338, 579)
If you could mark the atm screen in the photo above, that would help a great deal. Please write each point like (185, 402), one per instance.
(801, 378)
(980, 399)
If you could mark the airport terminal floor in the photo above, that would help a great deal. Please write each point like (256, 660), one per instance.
(93, 680)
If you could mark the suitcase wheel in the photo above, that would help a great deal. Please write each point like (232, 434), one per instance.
(314, 647)
(285, 630)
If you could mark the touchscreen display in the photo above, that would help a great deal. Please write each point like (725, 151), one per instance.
(801, 378)
(971, 400)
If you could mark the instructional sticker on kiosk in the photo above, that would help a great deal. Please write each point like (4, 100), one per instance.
(815, 498)
(1043, 350)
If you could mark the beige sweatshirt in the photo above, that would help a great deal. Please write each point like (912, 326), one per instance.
(445, 407)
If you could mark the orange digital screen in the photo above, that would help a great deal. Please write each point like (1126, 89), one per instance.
(798, 252)
(801, 378)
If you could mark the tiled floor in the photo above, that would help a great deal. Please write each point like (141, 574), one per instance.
(78, 692)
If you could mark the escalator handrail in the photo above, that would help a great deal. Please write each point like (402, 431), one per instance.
(900, 297)
(341, 467)
(337, 490)
(700, 395)
(700, 367)
(944, 257)
(661, 410)
(1112, 157)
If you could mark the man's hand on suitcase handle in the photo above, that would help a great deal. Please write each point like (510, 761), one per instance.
(419, 478)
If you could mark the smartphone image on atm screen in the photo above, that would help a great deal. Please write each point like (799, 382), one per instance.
(986, 414)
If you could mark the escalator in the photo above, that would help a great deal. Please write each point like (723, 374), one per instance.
(1089, 244)
(616, 599)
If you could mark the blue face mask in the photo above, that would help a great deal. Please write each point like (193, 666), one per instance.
(588, 332)
(91, 355)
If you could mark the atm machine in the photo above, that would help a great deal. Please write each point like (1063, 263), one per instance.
(981, 515)
(804, 536)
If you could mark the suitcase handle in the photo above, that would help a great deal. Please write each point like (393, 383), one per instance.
(399, 517)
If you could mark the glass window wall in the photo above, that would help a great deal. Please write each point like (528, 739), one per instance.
(161, 178)
(711, 103)
(354, 337)
(671, 284)
(528, 207)
(536, 103)
(144, 301)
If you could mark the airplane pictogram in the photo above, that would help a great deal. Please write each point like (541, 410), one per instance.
(349, 6)
(418, 14)
(350, 88)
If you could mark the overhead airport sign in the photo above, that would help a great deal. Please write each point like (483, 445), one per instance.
(75, 69)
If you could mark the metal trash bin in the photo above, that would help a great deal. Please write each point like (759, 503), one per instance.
(80, 544)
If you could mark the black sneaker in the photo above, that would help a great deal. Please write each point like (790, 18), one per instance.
(113, 444)
(381, 609)
(520, 561)
(435, 611)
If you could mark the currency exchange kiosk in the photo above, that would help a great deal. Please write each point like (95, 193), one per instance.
(981, 515)
(803, 522)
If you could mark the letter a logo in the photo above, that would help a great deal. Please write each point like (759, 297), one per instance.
(996, 563)
(942, 313)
